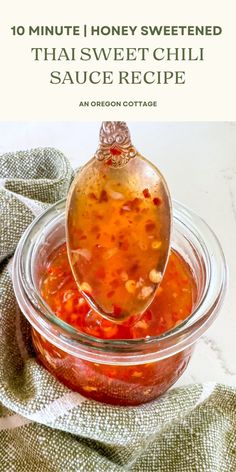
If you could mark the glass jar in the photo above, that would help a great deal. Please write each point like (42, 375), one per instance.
(122, 372)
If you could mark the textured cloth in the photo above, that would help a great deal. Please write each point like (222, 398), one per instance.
(45, 427)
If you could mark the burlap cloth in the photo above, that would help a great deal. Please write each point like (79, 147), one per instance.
(45, 427)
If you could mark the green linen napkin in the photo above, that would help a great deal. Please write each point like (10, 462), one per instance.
(44, 426)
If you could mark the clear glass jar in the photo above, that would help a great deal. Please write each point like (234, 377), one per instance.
(123, 372)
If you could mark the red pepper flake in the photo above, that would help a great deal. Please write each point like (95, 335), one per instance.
(115, 284)
(150, 226)
(115, 151)
(148, 315)
(116, 310)
(98, 217)
(83, 237)
(175, 316)
(110, 294)
(124, 245)
(134, 268)
(103, 196)
(135, 204)
(100, 273)
(95, 229)
(146, 193)
(131, 205)
(92, 196)
(109, 162)
(156, 201)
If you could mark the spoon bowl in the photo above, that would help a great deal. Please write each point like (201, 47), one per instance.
(118, 227)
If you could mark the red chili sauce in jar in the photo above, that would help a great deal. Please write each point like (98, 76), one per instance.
(116, 384)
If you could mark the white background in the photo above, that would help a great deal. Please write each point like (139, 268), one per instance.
(199, 163)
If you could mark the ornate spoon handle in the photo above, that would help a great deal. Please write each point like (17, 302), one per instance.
(115, 144)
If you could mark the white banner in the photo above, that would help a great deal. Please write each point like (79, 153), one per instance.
(122, 60)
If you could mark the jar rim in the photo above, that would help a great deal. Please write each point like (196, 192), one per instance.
(51, 327)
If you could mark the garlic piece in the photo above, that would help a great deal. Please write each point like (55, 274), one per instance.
(89, 388)
(81, 301)
(156, 244)
(113, 193)
(130, 286)
(124, 276)
(155, 276)
(111, 252)
(145, 292)
(85, 287)
(82, 252)
(140, 282)
(137, 374)
(141, 324)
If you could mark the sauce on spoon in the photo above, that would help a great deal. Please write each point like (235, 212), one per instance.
(118, 227)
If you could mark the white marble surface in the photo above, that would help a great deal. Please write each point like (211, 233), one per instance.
(199, 162)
